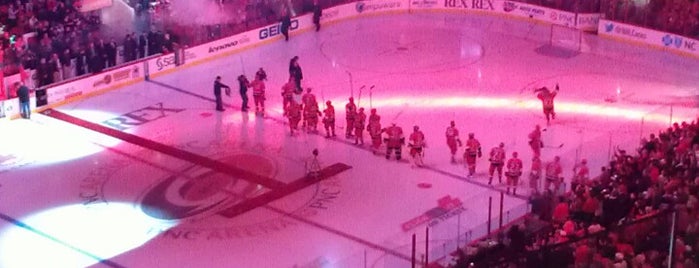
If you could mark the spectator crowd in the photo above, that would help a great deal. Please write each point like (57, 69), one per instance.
(622, 218)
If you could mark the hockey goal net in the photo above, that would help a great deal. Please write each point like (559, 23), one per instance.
(565, 37)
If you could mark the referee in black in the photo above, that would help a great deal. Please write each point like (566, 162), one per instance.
(217, 92)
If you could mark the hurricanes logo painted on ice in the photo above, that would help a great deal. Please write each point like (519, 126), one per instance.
(199, 199)
(198, 191)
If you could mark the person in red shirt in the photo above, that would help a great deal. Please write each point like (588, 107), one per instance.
(417, 146)
(453, 140)
(553, 174)
(535, 141)
(288, 90)
(473, 150)
(546, 96)
(514, 171)
(350, 114)
(258, 94)
(293, 112)
(375, 130)
(394, 141)
(329, 120)
(359, 125)
(581, 175)
(310, 111)
(497, 160)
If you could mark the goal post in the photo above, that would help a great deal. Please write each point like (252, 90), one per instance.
(565, 37)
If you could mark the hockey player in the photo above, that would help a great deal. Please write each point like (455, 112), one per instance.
(258, 94)
(473, 149)
(329, 120)
(553, 174)
(359, 124)
(535, 174)
(417, 145)
(394, 141)
(288, 93)
(310, 110)
(311, 114)
(293, 112)
(350, 113)
(546, 96)
(514, 171)
(453, 140)
(497, 160)
(535, 141)
(581, 174)
(375, 130)
(373, 116)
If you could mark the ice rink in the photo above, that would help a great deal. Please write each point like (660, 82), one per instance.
(170, 182)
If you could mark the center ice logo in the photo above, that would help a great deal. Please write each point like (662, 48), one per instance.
(198, 191)
(202, 202)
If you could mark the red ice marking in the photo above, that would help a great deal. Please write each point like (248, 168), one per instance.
(424, 185)
(207, 114)
(230, 170)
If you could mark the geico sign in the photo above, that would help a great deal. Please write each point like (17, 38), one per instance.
(276, 29)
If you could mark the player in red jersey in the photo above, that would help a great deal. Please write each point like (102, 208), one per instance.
(288, 90)
(514, 171)
(258, 94)
(417, 146)
(311, 112)
(394, 141)
(535, 141)
(546, 96)
(359, 125)
(581, 174)
(375, 130)
(497, 160)
(553, 174)
(293, 112)
(350, 113)
(473, 150)
(453, 140)
(535, 174)
(329, 120)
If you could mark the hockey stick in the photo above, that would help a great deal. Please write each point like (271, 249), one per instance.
(359, 100)
(555, 147)
(370, 93)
